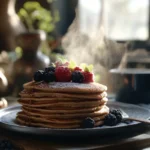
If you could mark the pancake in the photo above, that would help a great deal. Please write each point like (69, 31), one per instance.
(66, 87)
(22, 121)
(63, 99)
(56, 121)
(61, 110)
(61, 105)
(104, 110)
(35, 94)
(25, 122)
(67, 104)
(53, 101)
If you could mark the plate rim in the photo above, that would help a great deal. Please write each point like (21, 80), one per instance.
(8, 126)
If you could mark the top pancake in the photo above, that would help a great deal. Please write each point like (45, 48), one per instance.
(66, 87)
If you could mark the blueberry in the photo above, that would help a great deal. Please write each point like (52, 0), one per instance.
(118, 114)
(50, 68)
(77, 77)
(110, 120)
(49, 76)
(119, 118)
(38, 76)
(115, 111)
(88, 123)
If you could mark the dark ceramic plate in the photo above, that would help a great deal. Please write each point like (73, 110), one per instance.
(7, 121)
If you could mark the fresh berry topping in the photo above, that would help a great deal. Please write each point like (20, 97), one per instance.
(63, 74)
(49, 76)
(60, 63)
(77, 77)
(88, 123)
(77, 69)
(110, 120)
(38, 76)
(66, 64)
(88, 77)
(118, 114)
(51, 68)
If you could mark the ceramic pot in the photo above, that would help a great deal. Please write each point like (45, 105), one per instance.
(32, 58)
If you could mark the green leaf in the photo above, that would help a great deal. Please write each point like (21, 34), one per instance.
(90, 68)
(72, 64)
(87, 68)
(83, 66)
(62, 60)
(36, 16)
(46, 27)
(53, 64)
(22, 13)
(31, 6)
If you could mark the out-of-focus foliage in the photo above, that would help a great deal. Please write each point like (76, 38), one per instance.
(37, 17)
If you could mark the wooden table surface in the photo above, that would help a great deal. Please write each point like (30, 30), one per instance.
(28, 142)
(136, 141)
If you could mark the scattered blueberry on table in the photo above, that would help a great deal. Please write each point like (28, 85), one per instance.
(6, 145)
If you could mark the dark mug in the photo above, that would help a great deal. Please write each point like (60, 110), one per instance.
(141, 82)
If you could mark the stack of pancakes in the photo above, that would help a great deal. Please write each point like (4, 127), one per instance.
(62, 104)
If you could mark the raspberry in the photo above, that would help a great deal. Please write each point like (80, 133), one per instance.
(77, 69)
(77, 77)
(63, 74)
(38, 76)
(49, 76)
(88, 123)
(88, 77)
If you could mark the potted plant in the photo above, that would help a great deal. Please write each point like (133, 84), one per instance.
(38, 21)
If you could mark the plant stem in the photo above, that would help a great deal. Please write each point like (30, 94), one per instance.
(29, 23)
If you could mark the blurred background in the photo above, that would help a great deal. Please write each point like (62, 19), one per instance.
(111, 35)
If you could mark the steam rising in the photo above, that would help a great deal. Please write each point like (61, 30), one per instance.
(102, 53)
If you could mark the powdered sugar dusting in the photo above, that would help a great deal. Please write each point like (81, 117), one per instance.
(64, 86)
(27, 91)
(42, 85)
